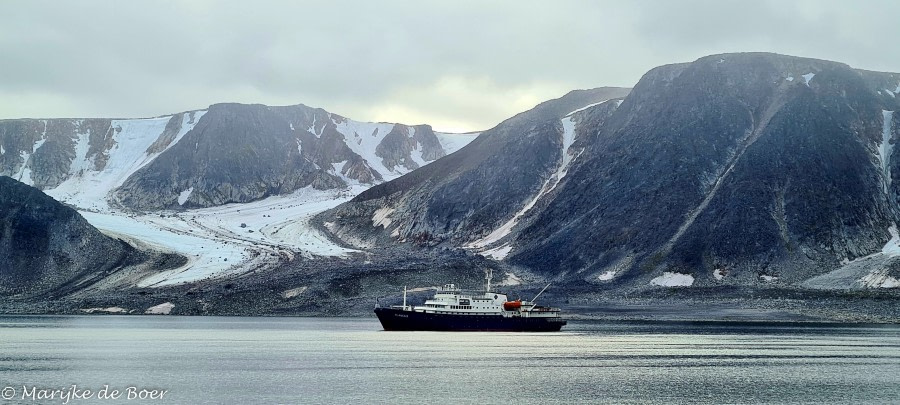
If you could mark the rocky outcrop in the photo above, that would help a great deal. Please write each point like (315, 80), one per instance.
(398, 147)
(47, 248)
(40, 152)
(235, 153)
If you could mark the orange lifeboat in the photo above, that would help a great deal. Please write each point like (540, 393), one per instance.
(512, 305)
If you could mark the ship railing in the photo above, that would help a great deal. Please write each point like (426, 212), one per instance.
(457, 289)
(542, 309)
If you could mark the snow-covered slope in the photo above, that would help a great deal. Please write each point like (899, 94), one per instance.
(86, 162)
(86, 187)
(567, 155)
(453, 142)
(232, 239)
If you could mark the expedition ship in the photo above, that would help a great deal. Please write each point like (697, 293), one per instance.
(452, 309)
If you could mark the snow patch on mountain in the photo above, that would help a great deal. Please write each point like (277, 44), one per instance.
(416, 153)
(382, 217)
(161, 309)
(363, 138)
(454, 142)
(567, 158)
(88, 188)
(879, 279)
(497, 253)
(24, 174)
(511, 279)
(188, 121)
(184, 195)
(885, 149)
(312, 128)
(568, 138)
(892, 247)
(338, 166)
(81, 163)
(669, 279)
(585, 108)
(293, 292)
(807, 77)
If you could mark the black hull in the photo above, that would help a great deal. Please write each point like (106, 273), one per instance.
(395, 319)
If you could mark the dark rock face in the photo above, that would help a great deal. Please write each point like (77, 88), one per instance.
(397, 146)
(737, 169)
(235, 153)
(465, 195)
(40, 152)
(724, 164)
(46, 246)
(169, 133)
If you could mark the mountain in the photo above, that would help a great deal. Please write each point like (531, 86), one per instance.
(224, 154)
(733, 170)
(230, 188)
(47, 249)
(459, 198)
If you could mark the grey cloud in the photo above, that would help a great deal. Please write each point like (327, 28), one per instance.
(368, 60)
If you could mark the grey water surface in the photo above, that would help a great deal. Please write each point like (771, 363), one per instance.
(315, 360)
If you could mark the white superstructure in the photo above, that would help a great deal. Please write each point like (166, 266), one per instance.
(451, 300)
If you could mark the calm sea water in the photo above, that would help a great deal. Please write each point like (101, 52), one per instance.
(305, 360)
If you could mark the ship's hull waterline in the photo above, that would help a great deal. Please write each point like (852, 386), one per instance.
(400, 320)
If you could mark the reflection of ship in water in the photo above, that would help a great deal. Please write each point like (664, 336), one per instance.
(452, 309)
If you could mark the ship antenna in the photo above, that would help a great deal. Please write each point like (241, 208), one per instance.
(487, 278)
(539, 294)
(404, 298)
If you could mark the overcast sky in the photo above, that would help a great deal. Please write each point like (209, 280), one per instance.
(457, 65)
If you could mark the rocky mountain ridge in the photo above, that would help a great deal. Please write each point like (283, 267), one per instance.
(736, 169)
(226, 153)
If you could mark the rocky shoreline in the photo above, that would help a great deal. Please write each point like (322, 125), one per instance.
(838, 308)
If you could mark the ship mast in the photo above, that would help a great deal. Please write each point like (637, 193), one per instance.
(487, 280)
(539, 294)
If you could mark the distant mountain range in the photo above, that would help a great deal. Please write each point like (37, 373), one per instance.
(122, 173)
(228, 153)
(727, 176)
